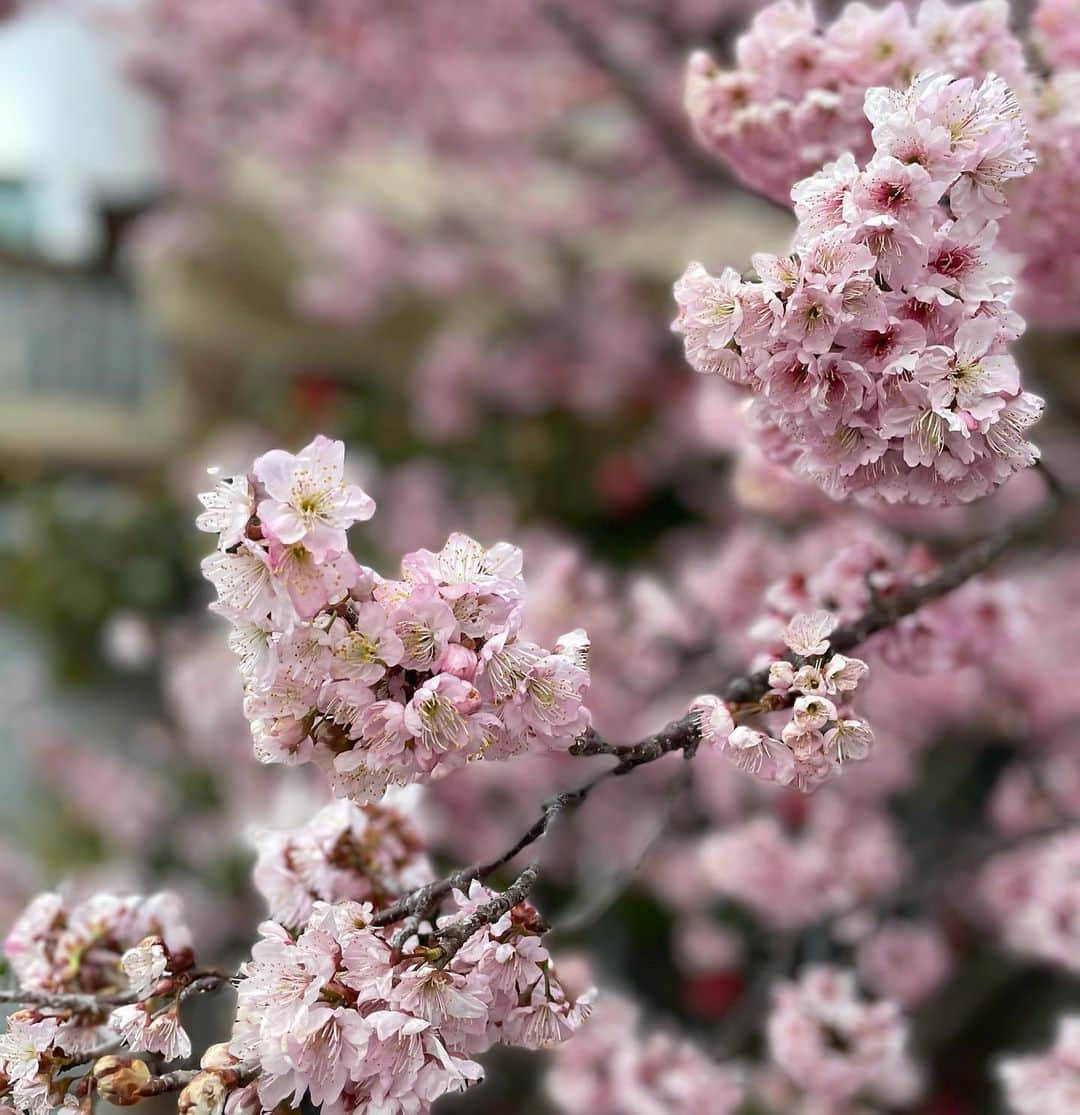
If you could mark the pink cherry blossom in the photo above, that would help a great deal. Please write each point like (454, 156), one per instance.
(308, 500)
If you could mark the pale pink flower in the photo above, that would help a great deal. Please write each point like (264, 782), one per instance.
(229, 507)
(834, 1045)
(1047, 1084)
(144, 965)
(713, 720)
(364, 649)
(807, 635)
(308, 500)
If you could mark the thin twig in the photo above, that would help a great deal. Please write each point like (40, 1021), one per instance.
(236, 1076)
(168, 1082)
(452, 937)
(884, 612)
(62, 1000)
(87, 1003)
(598, 899)
(425, 897)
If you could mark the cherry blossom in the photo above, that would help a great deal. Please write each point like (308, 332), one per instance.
(1046, 1085)
(363, 853)
(307, 500)
(609, 1068)
(381, 681)
(346, 1016)
(938, 417)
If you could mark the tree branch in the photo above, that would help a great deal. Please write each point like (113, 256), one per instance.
(87, 1003)
(683, 734)
(885, 612)
(58, 1000)
(452, 937)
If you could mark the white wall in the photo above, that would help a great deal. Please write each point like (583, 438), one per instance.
(70, 125)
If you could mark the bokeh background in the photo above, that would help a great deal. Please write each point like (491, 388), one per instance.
(447, 233)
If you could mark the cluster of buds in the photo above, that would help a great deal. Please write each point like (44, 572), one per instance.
(821, 733)
(222, 1084)
(378, 681)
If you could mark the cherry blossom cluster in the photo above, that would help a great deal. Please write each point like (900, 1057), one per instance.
(838, 1047)
(1040, 229)
(794, 99)
(876, 354)
(792, 103)
(104, 971)
(357, 1019)
(1050, 1084)
(1033, 899)
(378, 681)
(611, 1068)
(822, 732)
(361, 853)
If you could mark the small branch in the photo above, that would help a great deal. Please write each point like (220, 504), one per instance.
(234, 1077)
(59, 1000)
(887, 611)
(424, 898)
(202, 985)
(85, 1003)
(453, 936)
(597, 900)
(168, 1082)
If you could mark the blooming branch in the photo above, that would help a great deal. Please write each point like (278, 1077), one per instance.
(885, 612)
(685, 735)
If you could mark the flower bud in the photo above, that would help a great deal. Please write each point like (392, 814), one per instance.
(459, 661)
(218, 1057)
(205, 1095)
(120, 1080)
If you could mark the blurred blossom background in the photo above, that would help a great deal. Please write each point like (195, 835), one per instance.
(446, 231)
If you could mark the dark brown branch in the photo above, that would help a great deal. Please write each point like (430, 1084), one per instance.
(86, 1003)
(884, 612)
(424, 898)
(683, 734)
(452, 937)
